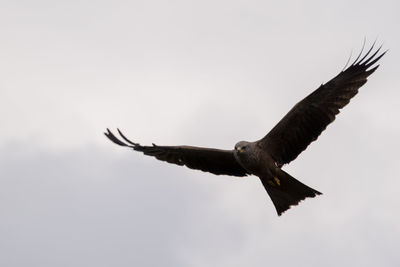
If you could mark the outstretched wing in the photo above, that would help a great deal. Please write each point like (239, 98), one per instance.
(308, 118)
(211, 160)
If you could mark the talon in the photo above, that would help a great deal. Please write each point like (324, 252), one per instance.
(277, 181)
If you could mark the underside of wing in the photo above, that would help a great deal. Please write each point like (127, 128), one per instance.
(216, 161)
(308, 118)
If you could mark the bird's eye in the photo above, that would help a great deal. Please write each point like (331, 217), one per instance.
(240, 148)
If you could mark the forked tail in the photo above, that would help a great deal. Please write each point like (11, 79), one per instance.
(285, 191)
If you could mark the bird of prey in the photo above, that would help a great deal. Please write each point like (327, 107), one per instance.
(293, 133)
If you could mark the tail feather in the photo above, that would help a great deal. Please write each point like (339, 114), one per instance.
(285, 191)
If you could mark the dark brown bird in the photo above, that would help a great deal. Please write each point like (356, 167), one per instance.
(265, 157)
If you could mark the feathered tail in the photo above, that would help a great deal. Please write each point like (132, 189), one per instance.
(285, 191)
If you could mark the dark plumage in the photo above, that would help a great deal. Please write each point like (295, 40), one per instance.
(264, 158)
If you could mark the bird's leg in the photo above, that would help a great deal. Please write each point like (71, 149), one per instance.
(274, 182)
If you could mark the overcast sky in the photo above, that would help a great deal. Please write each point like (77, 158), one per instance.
(204, 73)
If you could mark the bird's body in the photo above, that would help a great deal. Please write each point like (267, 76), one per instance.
(264, 158)
(283, 189)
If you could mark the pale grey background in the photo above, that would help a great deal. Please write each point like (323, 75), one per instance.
(205, 73)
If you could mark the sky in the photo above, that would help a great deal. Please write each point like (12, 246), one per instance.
(203, 73)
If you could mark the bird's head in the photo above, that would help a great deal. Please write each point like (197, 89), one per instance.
(241, 147)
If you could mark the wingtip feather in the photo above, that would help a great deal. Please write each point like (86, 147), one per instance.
(366, 54)
(126, 139)
(113, 138)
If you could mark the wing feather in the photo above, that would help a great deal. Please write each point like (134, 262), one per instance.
(308, 118)
(211, 160)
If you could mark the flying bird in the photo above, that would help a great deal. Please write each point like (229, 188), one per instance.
(293, 133)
